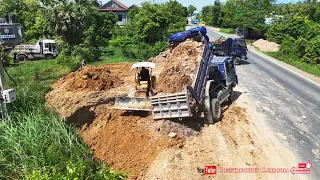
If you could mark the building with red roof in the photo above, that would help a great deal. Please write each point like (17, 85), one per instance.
(117, 7)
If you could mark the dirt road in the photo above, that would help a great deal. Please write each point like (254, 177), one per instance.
(238, 141)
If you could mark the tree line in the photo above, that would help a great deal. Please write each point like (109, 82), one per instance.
(295, 26)
(80, 29)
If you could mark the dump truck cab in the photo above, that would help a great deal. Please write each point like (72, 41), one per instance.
(233, 47)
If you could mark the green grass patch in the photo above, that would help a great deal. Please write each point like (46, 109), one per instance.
(34, 142)
(298, 63)
(228, 30)
(112, 55)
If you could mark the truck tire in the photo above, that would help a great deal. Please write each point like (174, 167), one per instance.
(230, 98)
(238, 60)
(215, 110)
(21, 57)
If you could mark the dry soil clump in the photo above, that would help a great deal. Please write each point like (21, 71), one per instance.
(89, 78)
(180, 68)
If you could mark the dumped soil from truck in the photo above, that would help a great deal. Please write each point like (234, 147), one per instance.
(89, 78)
(180, 68)
(121, 140)
(133, 142)
(266, 46)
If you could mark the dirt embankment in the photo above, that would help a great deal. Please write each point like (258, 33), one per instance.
(126, 141)
(89, 78)
(134, 142)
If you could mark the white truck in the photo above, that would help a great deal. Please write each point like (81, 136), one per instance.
(43, 49)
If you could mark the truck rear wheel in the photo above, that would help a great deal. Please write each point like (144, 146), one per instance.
(215, 110)
(238, 60)
(21, 58)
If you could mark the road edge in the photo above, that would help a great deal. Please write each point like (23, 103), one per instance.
(310, 77)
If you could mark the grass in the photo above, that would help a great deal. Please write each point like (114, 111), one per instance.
(298, 63)
(34, 142)
(112, 55)
(227, 30)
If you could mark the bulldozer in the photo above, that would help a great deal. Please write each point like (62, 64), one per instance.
(138, 96)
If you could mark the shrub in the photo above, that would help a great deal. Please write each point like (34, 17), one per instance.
(65, 58)
(288, 45)
(276, 32)
(312, 55)
(301, 45)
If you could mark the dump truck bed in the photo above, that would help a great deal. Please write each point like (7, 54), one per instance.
(177, 105)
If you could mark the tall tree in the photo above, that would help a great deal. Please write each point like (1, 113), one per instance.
(191, 9)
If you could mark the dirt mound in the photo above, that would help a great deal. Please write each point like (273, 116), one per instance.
(121, 140)
(89, 78)
(180, 68)
(266, 46)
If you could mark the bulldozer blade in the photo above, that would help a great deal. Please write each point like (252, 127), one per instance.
(134, 104)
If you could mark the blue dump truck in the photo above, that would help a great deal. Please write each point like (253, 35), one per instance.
(236, 48)
(216, 77)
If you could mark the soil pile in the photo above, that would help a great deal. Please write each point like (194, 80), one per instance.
(180, 68)
(121, 140)
(266, 46)
(89, 78)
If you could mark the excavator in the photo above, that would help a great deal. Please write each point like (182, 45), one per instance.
(138, 96)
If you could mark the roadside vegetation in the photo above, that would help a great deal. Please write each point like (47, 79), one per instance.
(227, 30)
(295, 27)
(35, 143)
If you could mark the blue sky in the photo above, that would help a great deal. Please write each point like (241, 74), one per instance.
(198, 3)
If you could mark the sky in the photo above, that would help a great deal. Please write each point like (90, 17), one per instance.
(197, 3)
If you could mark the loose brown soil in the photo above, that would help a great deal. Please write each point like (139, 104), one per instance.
(133, 142)
(89, 78)
(181, 67)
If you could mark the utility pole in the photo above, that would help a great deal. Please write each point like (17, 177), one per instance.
(4, 110)
(11, 34)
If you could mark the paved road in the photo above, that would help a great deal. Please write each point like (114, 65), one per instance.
(290, 103)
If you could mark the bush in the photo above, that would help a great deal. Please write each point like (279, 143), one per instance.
(65, 58)
(276, 32)
(288, 45)
(301, 45)
(312, 55)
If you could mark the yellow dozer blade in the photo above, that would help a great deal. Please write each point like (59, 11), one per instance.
(133, 104)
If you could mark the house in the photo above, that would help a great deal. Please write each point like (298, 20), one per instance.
(117, 7)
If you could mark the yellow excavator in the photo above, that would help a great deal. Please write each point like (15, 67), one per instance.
(138, 96)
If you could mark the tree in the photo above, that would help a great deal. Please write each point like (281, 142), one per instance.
(191, 9)
(217, 13)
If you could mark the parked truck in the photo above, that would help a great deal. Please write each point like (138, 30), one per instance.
(43, 49)
(214, 83)
(194, 21)
(233, 47)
